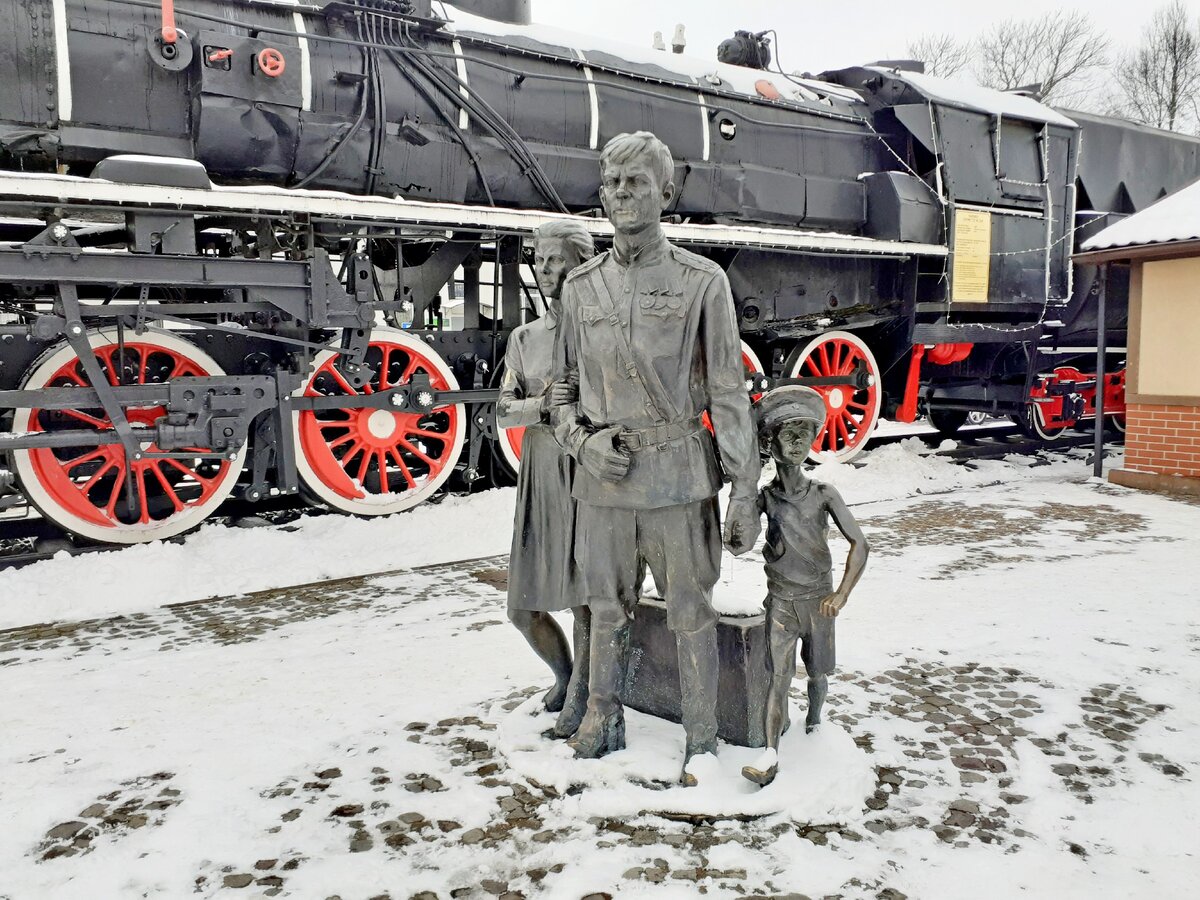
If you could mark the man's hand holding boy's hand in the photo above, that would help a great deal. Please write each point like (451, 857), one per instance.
(743, 522)
(833, 604)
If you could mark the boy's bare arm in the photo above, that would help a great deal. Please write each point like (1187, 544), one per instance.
(856, 561)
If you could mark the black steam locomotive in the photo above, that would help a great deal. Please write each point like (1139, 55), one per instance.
(261, 247)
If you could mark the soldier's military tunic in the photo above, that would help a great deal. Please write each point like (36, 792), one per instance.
(676, 312)
(541, 568)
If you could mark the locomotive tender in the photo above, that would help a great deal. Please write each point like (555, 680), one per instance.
(207, 210)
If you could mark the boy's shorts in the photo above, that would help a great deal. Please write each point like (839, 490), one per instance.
(801, 617)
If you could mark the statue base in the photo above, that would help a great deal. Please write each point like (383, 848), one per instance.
(652, 680)
(824, 777)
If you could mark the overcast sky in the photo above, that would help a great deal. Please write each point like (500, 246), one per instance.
(824, 34)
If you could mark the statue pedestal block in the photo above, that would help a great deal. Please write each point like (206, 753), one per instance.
(652, 682)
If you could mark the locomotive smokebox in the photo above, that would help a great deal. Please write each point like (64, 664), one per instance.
(515, 12)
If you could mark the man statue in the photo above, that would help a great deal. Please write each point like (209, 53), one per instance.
(649, 334)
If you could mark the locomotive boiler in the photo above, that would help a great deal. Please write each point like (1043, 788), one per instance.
(247, 247)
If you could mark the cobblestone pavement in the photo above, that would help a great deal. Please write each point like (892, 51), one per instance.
(954, 742)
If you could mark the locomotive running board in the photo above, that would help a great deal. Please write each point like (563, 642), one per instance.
(74, 192)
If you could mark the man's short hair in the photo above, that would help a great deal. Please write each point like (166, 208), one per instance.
(573, 234)
(625, 147)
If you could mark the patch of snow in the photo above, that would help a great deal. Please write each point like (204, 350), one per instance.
(218, 561)
(968, 95)
(705, 73)
(1173, 218)
(221, 561)
(239, 722)
(616, 785)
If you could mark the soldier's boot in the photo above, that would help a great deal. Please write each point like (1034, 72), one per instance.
(699, 669)
(602, 730)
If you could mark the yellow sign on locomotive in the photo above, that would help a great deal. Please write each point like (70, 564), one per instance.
(972, 256)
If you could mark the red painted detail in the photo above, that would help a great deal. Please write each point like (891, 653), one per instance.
(90, 483)
(170, 34)
(515, 436)
(751, 368)
(271, 62)
(850, 414)
(1054, 413)
(908, 408)
(359, 453)
(767, 90)
(945, 354)
(220, 55)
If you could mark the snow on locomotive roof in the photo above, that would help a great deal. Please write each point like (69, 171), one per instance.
(673, 65)
(1172, 219)
(68, 190)
(976, 97)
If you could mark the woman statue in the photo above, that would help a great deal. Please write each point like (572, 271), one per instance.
(541, 569)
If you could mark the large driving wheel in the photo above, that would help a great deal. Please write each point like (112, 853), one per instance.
(850, 413)
(508, 440)
(372, 462)
(95, 491)
(947, 422)
(1032, 423)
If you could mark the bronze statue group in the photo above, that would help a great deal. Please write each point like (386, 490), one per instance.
(619, 472)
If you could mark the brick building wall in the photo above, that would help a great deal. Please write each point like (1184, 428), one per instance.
(1163, 439)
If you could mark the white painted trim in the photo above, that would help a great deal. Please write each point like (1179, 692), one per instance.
(1077, 351)
(460, 63)
(62, 60)
(267, 200)
(305, 65)
(593, 102)
(706, 135)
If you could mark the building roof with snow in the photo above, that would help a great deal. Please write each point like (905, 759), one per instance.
(1169, 226)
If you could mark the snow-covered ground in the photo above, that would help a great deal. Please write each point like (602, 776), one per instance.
(1016, 713)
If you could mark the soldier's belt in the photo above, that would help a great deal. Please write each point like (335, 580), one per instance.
(658, 435)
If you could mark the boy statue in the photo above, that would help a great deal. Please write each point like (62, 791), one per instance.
(801, 603)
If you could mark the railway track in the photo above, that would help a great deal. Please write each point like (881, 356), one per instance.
(26, 538)
(996, 442)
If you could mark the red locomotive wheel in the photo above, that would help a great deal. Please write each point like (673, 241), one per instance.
(96, 491)
(751, 366)
(851, 413)
(1032, 423)
(372, 462)
(510, 445)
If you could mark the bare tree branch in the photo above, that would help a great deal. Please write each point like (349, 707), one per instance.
(1160, 80)
(943, 54)
(1059, 52)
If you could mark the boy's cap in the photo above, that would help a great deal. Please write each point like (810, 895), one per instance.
(792, 401)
